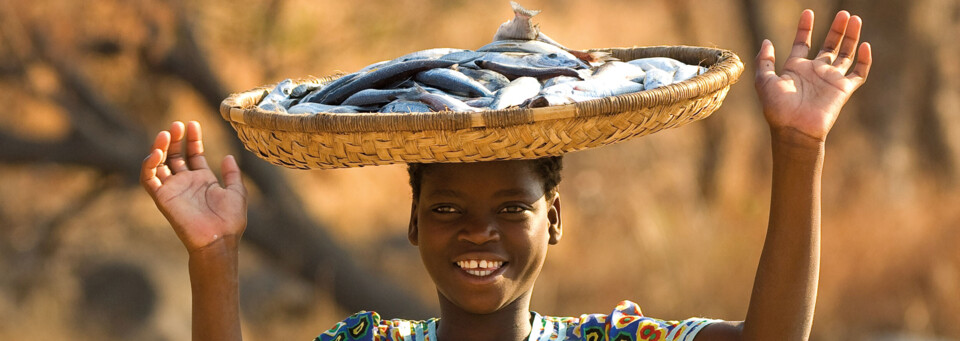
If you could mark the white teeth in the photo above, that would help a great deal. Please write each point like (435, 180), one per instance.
(479, 268)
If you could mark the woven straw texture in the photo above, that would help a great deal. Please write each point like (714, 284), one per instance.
(328, 140)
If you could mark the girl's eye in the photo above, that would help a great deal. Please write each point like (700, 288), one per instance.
(444, 209)
(513, 209)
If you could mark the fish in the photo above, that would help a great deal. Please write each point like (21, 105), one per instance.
(452, 81)
(492, 80)
(281, 92)
(312, 108)
(319, 93)
(519, 27)
(685, 72)
(515, 71)
(661, 63)
(656, 78)
(534, 47)
(403, 105)
(470, 59)
(367, 97)
(482, 102)
(392, 73)
(515, 93)
(594, 88)
(303, 89)
(438, 101)
(559, 80)
(619, 70)
(434, 53)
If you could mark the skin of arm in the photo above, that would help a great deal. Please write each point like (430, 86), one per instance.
(800, 105)
(208, 218)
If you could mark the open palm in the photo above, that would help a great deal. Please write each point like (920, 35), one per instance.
(807, 96)
(187, 192)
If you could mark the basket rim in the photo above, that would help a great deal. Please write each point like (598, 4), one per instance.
(724, 69)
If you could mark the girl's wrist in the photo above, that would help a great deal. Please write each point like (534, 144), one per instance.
(226, 248)
(793, 145)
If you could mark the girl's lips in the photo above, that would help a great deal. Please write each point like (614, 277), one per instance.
(482, 275)
(481, 267)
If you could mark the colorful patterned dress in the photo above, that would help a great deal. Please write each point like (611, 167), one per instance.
(626, 323)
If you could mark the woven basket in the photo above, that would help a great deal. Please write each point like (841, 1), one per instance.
(328, 140)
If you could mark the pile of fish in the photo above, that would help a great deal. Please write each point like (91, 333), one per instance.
(521, 67)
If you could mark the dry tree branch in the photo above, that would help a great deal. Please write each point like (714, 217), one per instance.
(280, 226)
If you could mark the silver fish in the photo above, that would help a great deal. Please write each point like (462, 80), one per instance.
(402, 105)
(427, 54)
(438, 101)
(280, 93)
(469, 59)
(515, 93)
(367, 97)
(619, 70)
(482, 102)
(312, 108)
(662, 63)
(303, 89)
(452, 81)
(490, 79)
(514, 71)
(559, 80)
(656, 78)
(318, 94)
(520, 27)
(593, 88)
(535, 47)
(392, 73)
(685, 72)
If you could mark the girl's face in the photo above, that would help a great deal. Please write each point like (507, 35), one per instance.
(483, 230)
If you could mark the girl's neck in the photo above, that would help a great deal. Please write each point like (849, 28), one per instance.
(511, 322)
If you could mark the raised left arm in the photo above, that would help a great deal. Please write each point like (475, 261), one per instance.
(800, 105)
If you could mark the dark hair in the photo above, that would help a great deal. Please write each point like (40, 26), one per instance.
(547, 167)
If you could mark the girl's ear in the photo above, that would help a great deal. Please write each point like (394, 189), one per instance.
(555, 228)
(413, 230)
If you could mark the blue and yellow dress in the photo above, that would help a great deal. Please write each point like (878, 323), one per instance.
(625, 323)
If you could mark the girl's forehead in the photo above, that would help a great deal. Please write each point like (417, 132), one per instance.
(487, 174)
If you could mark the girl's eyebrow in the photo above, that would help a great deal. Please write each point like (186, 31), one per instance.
(445, 193)
(511, 192)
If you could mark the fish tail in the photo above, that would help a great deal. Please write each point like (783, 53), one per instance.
(520, 11)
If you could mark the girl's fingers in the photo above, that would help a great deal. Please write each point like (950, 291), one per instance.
(175, 158)
(801, 44)
(148, 172)
(195, 158)
(232, 178)
(834, 37)
(864, 61)
(766, 61)
(851, 38)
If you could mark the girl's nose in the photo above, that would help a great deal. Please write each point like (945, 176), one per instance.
(480, 231)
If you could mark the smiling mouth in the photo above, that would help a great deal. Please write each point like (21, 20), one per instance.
(480, 267)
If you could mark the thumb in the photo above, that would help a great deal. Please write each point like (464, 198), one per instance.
(765, 62)
(232, 178)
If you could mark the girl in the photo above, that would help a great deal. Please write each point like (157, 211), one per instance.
(483, 229)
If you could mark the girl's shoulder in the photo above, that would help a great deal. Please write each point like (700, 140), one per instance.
(368, 326)
(625, 322)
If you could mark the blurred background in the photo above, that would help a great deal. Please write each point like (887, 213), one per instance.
(674, 221)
